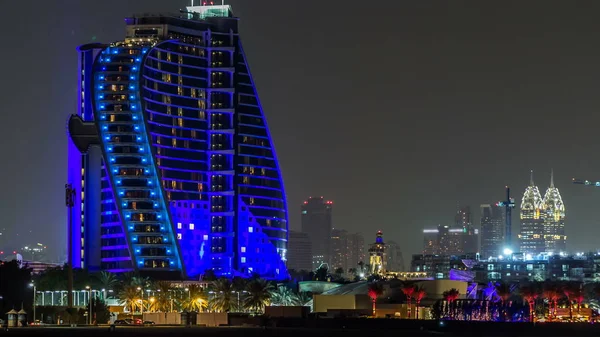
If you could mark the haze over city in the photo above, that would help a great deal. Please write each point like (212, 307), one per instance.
(428, 106)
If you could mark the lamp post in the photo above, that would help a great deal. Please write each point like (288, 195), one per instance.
(70, 203)
(141, 301)
(238, 297)
(189, 293)
(89, 289)
(34, 294)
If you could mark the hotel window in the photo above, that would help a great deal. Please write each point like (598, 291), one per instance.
(191, 226)
(179, 225)
(243, 249)
(178, 236)
(243, 259)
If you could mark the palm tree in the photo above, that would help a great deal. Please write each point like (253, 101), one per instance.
(530, 294)
(196, 300)
(419, 294)
(302, 298)
(552, 294)
(259, 295)
(284, 296)
(579, 297)
(408, 288)
(450, 296)
(221, 299)
(375, 290)
(108, 280)
(569, 292)
(504, 292)
(129, 296)
(163, 296)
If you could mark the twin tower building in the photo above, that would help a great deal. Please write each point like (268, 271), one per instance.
(170, 155)
(542, 221)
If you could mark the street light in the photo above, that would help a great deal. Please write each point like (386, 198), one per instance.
(34, 293)
(238, 297)
(189, 293)
(89, 289)
(141, 301)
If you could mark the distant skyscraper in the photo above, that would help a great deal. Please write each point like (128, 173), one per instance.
(299, 251)
(447, 240)
(492, 230)
(463, 217)
(378, 255)
(339, 249)
(395, 262)
(469, 236)
(531, 237)
(430, 242)
(317, 223)
(356, 250)
(553, 216)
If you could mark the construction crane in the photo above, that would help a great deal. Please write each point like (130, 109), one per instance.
(586, 182)
(508, 204)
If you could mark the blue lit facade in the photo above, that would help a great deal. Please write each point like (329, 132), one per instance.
(180, 174)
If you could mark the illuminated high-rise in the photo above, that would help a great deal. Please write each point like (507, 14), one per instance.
(171, 156)
(316, 217)
(531, 237)
(553, 217)
(492, 231)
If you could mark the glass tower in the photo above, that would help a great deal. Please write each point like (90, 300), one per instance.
(171, 155)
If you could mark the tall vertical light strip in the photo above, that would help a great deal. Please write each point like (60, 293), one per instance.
(130, 164)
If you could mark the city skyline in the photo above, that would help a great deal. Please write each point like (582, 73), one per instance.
(535, 69)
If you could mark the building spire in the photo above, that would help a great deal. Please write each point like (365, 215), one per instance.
(531, 178)
(551, 178)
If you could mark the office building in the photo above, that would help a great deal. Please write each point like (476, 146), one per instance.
(447, 240)
(173, 165)
(299, 251)
(316, 220)
(553, 218)
(531, 237)
(356, 250)
(339, 249)
(492, 230)
(378, 255)
(347, 250)
(470, 236)
(395, 261)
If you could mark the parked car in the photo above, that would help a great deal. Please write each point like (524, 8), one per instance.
(148, 322)
(121, 322)
(37, 322)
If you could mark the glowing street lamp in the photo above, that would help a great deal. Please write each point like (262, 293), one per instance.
(34, 293)
(89, 289)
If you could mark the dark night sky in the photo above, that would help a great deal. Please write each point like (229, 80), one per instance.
(396, 110)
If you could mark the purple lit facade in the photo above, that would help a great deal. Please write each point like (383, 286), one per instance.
(178, 174)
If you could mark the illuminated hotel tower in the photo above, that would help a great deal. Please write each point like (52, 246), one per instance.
(553, 215)
(171, 156)
(531, 237)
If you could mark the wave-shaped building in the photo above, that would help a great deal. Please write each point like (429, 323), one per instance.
(171, 156)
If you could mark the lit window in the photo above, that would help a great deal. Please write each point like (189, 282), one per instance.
(178, 236)
(250, 230)
(243, 259)
(205, 237)
(243, 249)
(179, 225)
(191, 226)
